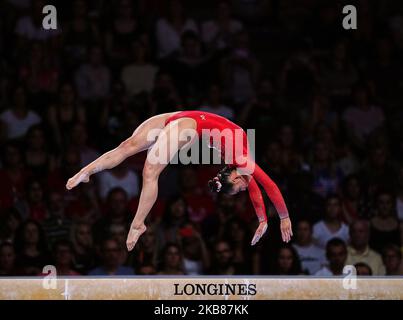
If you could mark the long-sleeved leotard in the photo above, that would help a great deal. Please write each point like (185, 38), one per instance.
(211, 124)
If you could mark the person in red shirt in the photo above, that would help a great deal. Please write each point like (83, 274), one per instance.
(166, 134)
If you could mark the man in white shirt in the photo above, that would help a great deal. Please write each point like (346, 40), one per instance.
(359, 250)
(331, 226)
(19, 118)
(311, 256)
(121, 177)
(336, 253)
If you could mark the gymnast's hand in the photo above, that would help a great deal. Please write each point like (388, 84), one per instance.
(260, 231)
(286, 229)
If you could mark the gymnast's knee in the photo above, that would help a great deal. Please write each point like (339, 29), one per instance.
(150, 172)
(127, 147)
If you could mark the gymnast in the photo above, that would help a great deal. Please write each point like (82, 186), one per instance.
(161, 136)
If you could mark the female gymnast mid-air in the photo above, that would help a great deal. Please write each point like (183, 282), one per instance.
(235, 177)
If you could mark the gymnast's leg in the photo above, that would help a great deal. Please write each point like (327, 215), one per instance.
(136, 143)
(166, 147)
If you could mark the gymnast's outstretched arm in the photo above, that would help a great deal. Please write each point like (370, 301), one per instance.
(257, 200)
(276, 198)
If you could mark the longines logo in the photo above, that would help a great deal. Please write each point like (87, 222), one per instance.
(215, 289)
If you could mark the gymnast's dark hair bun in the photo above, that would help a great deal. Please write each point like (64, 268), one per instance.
(221, 182)
(214, 185)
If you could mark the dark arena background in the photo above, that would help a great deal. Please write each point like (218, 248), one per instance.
(325, 99)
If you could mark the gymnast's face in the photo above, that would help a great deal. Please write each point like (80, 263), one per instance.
(239, 182)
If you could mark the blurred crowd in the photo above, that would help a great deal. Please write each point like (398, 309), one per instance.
(326, 104)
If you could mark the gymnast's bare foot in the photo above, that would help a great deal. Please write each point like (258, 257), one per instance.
(81, 176)
(134, 234)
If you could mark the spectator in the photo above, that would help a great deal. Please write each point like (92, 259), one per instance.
(19, 118)
(331, 226)
(29, 27)
(40, 73)
(214, 103)
(385, 228)
(9, 224)
(13, 175)
(119, 231)
(239, 235)
(170, 28)
(222, 263)
(311, 256)
(34, 207)
(339, 73)
(385, 68)
(83, 247)
(218, 34)
(79, 33)
(175, 217)
(298, 76)
(65, 114)
(362, 118)
(261, 112)
(392, 258)
(119, 177)
(326, 175)
(320, 112)
(56, 225)
(93, 78)
(39, 158)
(399, 197)
(354, 204)
(303, 200)
(359, 250)
(379, 169)
(147, 270)
(63, 257)
(363, 269)
(117, 212)
(110, 252)
(199, 203)
(7, 260)
(79, 139)
(139, 75)
(165, 95)
(31, 248)
(124, 27)
(190, 68)
(336, 254)
(172, 260)
(240, 71)
(287, 261)
(146, 252)
(196, 258)
(213, 227)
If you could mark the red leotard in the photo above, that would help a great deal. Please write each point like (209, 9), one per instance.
(210, 121)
